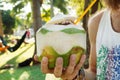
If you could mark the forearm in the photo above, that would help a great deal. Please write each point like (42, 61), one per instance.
(89, 75)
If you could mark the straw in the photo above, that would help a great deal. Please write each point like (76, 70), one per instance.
(87, 9)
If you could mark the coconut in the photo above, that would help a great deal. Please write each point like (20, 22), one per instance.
(60, 38)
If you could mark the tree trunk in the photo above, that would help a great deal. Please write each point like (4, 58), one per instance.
(51, 10)
(1, 29)
(36, 18)
(85, 23)
(95, 7)
(36, 14)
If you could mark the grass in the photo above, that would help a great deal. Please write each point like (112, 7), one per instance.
(26, 73)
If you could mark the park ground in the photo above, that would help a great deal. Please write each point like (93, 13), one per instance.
(31, 72)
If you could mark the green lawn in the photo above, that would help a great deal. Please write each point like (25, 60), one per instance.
(26, 73)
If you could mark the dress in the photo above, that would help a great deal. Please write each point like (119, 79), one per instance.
(107, 50)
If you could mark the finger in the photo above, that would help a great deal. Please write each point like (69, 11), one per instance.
(71, 64)
(70, 68)
(77, 68)
(58, 67)
(44, 65)
(35, 57)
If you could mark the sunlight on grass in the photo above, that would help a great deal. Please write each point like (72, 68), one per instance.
(12, 78)
(11, 71)
(51, 77)
(24, 76)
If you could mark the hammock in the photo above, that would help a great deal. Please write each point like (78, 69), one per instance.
(15, 47)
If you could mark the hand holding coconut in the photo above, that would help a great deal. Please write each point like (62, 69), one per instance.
(60, 47)
(65, 73)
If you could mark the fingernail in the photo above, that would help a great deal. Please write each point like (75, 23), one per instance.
(44, 60)
(73, 56)
(59, 60)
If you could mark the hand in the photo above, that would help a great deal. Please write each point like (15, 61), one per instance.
(69, 73)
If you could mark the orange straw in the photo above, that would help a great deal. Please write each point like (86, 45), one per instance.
(87, 9)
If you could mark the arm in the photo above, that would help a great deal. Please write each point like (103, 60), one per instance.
(92, 31)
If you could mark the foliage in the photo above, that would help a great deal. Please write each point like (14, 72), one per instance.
(18, 9)
(61, 4)
(20, 4)
(1, 5)
(78, 5)
(45, 14)
(8, 21)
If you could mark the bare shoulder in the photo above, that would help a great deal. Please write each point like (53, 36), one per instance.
(95, 19)
(92, 31)
(93, 24)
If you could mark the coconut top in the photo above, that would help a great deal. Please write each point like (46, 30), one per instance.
(60, 22)
(61, 34)
(59, 18)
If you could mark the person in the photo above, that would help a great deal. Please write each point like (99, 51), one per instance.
(104, 36)
(28, 33)
(4, 46)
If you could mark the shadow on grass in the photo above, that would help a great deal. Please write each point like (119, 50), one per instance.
(25, 73)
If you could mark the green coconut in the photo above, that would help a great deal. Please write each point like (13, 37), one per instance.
(58, 40)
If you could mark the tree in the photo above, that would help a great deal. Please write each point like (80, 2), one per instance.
(95, 7)
(51, 11)
(1, 29)
(1, 25)
(78, 5)
(36, 17)
(56, 4)
(61, 4)
(8, 22)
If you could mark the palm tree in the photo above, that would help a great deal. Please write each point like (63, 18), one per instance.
(37, 23)
(1, 29)
(51, 11)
